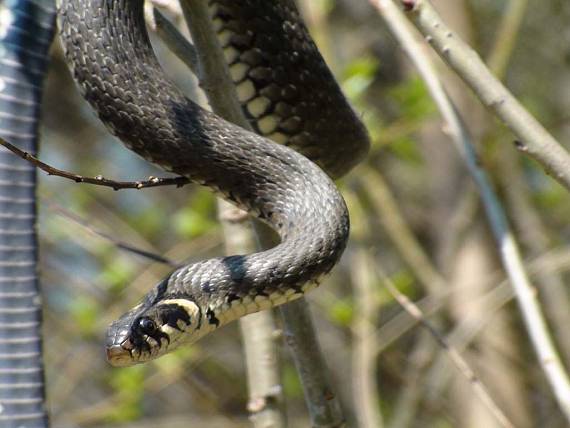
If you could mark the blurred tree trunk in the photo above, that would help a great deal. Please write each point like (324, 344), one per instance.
(26, 31)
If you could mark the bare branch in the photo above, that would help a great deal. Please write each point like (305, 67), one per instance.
(298, 330)
(509, 29)
(533, 138)
(70, 216)
(453, 353)
(400, 233)
(526, 219)
(176, 42)
(507, 246)
(98, 180)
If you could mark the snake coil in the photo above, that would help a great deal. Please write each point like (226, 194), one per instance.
(288, 94)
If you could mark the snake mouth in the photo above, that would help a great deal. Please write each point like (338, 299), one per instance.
(119, 345)
(120, 355)
(126, 346)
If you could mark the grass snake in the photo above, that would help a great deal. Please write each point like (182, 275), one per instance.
(287, 93)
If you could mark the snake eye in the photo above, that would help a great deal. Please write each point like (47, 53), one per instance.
(147, 326)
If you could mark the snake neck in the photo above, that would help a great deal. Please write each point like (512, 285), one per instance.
(108, 49)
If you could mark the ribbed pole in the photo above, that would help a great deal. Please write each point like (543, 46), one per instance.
(26, 31)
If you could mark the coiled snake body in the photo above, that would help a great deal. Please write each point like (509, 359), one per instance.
(288, 94)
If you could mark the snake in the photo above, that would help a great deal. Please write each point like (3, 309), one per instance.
(307, 135)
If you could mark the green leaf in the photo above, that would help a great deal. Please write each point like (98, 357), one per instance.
(413, 99)
(128, 384)
(406, 149)
(403, 281)
(291, 384)
(117, 272)
(358, 76)
(85, 313)
(342, 311)
(198, 217)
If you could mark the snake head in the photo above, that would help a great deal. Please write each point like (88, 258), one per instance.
(149, 331)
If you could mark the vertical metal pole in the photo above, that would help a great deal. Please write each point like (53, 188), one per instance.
(26, 32)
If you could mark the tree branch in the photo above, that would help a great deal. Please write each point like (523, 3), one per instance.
(453, 353)
(70, 216)
(533, 138)
(507, 246)
(176, 42)
(509, 29)
(98, 180)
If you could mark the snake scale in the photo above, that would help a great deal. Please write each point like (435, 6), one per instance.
(288, 94)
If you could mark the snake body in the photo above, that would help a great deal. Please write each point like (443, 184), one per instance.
(107, 47)
(287, 91)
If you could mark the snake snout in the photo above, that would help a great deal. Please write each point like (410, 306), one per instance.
(118, 346)
(118, 356)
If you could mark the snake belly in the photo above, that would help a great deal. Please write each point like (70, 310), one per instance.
(108, 50)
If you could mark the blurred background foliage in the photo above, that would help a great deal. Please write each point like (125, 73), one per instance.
(88, 280)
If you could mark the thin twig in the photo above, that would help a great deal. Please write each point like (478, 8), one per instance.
(70, 216)
(298, 327)
(176, 42)
(526, 219)
(511, 259)
(98, 180)
(500, 295)
(453, 353)
(388, 212)
(535, 238)
(509, 27)
(533, 138)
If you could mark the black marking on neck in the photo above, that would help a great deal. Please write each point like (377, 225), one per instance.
(211, 315)
(170, 314)
(158, 293)
(230, 297)
(298, 289)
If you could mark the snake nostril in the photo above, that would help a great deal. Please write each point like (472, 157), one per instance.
(117, 355)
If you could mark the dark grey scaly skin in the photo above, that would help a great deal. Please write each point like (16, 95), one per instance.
(26, 33)
(107, 47)
(286, 90)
